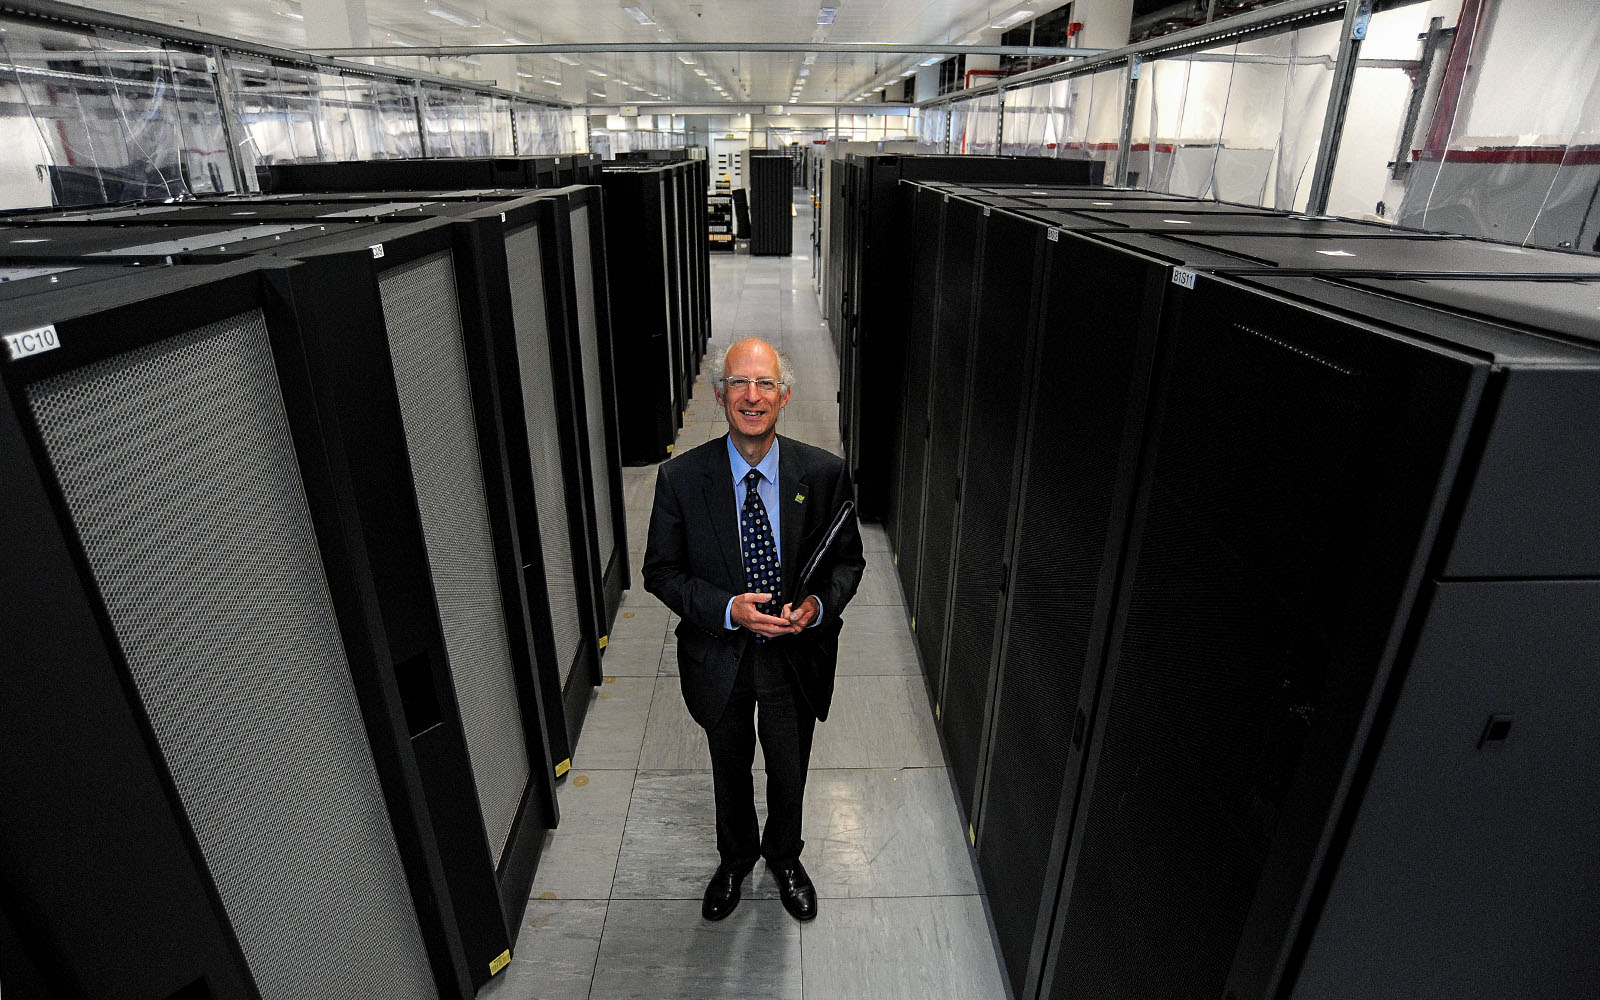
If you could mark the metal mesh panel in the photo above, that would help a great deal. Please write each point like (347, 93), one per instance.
(525, 260)
(421, 311)
(176, 462)
(929, 213)
(1281, 490)
(593, 397)
(992, 438)
(1064, 537)
(951, 348)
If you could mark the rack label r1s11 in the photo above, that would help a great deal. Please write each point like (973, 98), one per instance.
(1183, 277)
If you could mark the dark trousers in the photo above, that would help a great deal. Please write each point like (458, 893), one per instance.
(765, 701)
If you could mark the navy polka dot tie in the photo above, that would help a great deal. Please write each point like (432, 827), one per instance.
(761, 571)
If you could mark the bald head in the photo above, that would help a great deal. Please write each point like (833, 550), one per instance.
(757, 394)
(719, 360)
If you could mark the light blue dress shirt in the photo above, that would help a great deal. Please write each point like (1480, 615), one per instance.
(767, 490)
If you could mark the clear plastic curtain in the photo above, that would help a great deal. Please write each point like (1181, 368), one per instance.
(1027, 123)
(383, 117)
(1396, 78)
(278, 115)
(1493, 163)
(99, 119)
(1239, 123)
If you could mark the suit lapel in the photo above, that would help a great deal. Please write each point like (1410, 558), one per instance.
(791, 494)
(724, 522)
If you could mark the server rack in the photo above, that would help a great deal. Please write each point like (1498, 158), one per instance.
(442, 173)
(116, 748)
(864, 315)
(540, 393)
(768, 176)
(438, 338)
(642, 312)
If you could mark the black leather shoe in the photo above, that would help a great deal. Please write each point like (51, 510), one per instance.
(722, 895)
(798, 894)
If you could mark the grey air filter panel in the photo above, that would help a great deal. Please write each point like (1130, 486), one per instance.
(176, 464)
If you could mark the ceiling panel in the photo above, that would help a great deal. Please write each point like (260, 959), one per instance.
(746, 77)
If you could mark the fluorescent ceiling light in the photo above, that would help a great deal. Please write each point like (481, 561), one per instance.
(811, 59)
(553, 83)
(805, 71)
(292, 14)
(638, 14)
(596, 93)
(685, 59)
(452, 15)
(932, 61)
(825, 15)
(701, 73)
(1015, 17)
(794, 100)
(878, 89)
(564, 60)
(595, 72)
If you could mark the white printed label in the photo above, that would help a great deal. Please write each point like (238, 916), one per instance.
(1053, 234)
(1183, 277)
(377, 251)
(1336, 253)
(29, 342)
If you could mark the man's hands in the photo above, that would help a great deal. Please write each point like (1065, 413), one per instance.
(789, 621)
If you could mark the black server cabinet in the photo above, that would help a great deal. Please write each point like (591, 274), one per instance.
(927, 270)
(867, 325)
(999, 381)
(204, 718)
(771, 199)
(642, 319)
(583, 238)
(541, 397)
(438, 336)
(1321, 649)
(440, 173)
(675, 180)
(951, 360)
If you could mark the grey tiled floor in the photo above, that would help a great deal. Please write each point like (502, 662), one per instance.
(616, 902)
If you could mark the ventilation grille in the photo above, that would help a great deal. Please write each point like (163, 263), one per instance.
(594, 400)
(526, 263)
(430, 368)
(176, 463)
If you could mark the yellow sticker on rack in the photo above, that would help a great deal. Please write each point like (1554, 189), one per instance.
(972, 836)
(669, 449)
(564, 767)
(605, 641)
(501, 961)
(936, 714)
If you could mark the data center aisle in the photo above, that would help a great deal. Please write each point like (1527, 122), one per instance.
(615, 911)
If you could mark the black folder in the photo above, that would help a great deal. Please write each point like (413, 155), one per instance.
(800, 591)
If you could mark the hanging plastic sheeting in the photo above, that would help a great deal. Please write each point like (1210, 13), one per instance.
(1494, 163)
(933, 129)
(280, 117)
(460, 123)
(91, 120)
(1396, 80)
(975, 125)
(383, 117)
(1075, 118)
(542, 131)
(1239, 123)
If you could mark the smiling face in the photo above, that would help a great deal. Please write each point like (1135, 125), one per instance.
(752, 414)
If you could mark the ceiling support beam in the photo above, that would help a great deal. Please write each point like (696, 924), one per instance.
(822, 48)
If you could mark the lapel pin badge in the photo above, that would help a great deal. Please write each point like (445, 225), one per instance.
(799, 498)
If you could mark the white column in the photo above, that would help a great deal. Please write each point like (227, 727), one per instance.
(502, 70)
(1105, 22)
(336, 24)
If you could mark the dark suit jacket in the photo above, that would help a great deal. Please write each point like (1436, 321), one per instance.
(692, 563)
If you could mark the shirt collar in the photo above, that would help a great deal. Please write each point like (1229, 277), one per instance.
(768, 466)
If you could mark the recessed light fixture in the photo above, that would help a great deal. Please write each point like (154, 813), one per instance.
(811, 59)
(685, 59)
(638, 14)
(596, 93)
(553, 83)
(701, 73)
(595, 72)
(293, 14)
(825, 15)
(805, 71)
(794, 100)
(878, 89)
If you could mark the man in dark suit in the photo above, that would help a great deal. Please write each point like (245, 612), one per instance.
(733, 522)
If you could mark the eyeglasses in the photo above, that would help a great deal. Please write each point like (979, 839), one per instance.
(738, 384)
